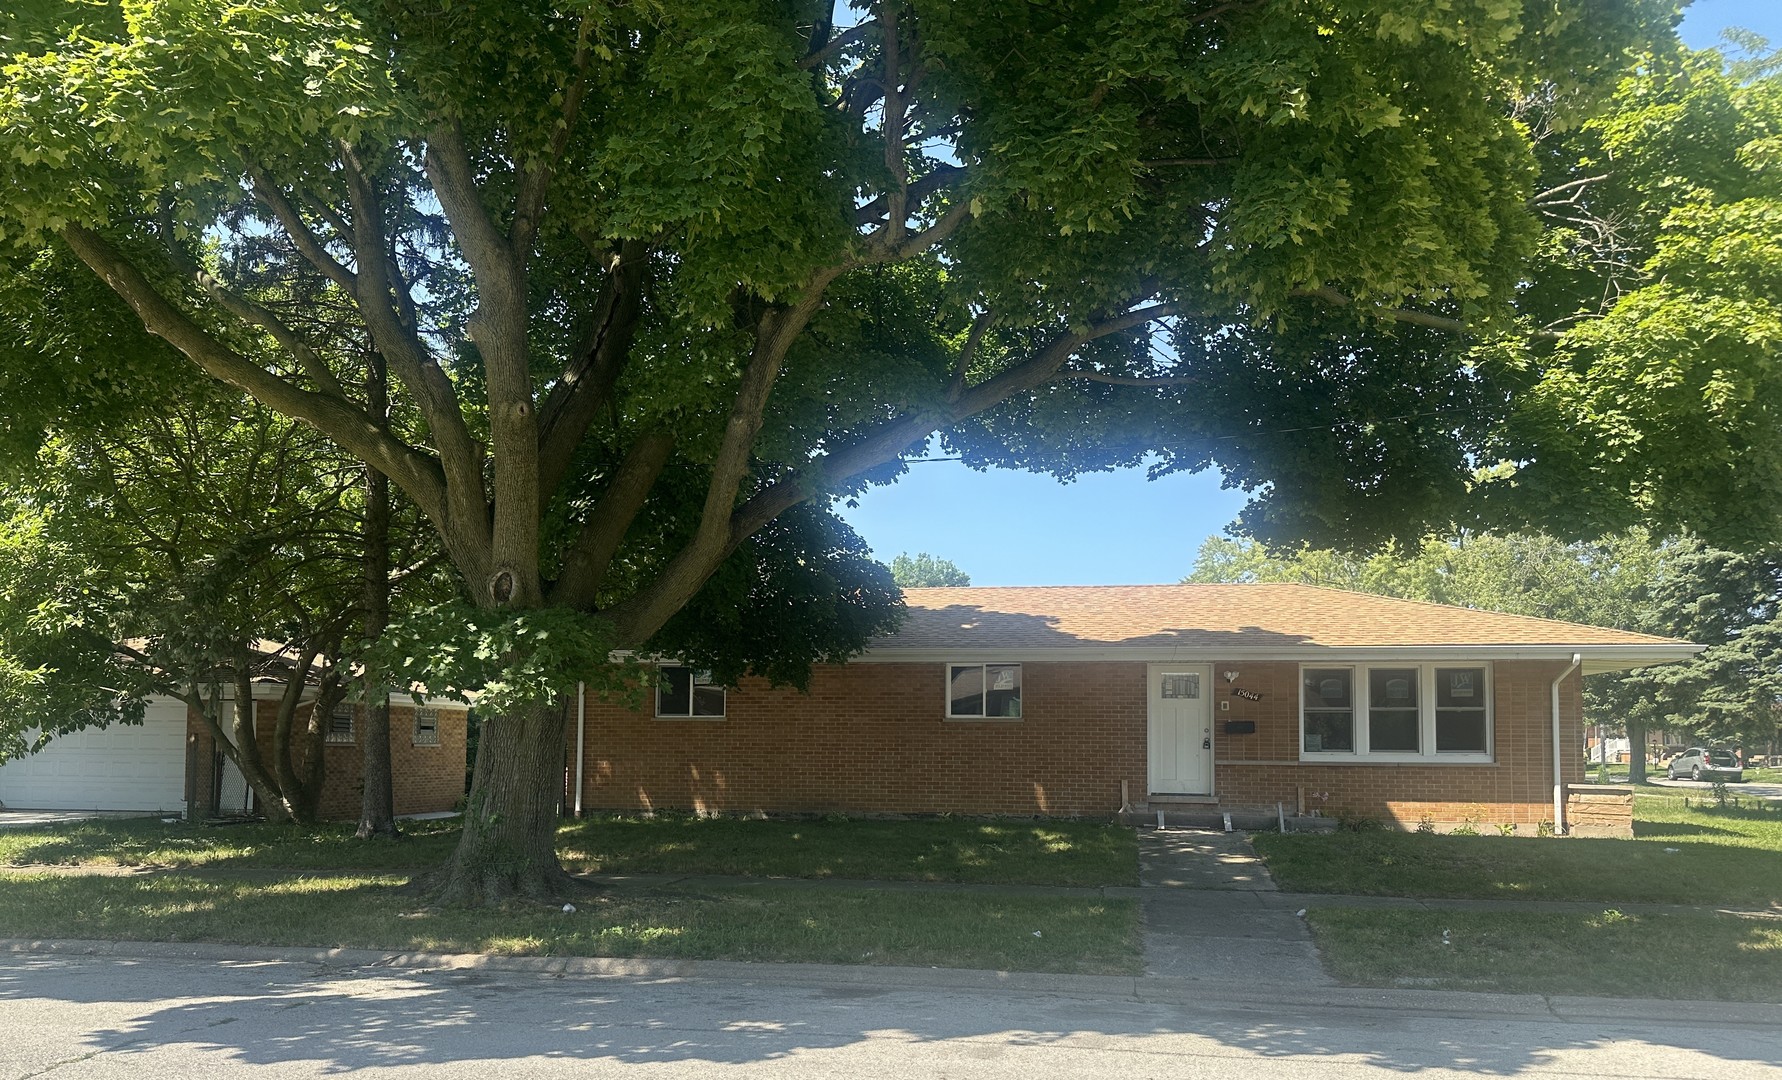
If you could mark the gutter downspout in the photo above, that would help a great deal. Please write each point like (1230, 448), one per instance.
(581, 745)
(1559, 825)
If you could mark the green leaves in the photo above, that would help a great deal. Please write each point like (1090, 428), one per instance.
(498, 660)
(1664, 408)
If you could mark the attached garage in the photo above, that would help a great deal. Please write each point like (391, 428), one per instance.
(122, 767)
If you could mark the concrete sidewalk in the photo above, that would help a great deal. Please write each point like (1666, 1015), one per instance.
(1250, 993)
(1205, 917)
(1216, 929)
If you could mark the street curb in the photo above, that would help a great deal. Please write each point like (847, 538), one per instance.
(1278, 998)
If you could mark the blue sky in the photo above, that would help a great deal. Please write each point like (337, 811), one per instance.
(1018, 528)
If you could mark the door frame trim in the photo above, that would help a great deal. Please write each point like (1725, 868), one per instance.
(1206, 692)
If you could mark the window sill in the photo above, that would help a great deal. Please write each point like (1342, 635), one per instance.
(983, 719)
(684, 719)
(1337, 758)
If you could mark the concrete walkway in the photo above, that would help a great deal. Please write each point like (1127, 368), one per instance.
(1208, 917)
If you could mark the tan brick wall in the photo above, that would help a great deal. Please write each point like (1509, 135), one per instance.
(1261, 770)
(425, 778)
(872, 738)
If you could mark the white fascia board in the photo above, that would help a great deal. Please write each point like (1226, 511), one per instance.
(1597, 658)
(428, 701)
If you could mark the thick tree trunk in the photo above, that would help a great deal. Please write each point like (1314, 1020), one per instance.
(377, 803)
(1636, 752)
(508, 849)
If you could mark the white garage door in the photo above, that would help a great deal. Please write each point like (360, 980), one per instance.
(122, 767)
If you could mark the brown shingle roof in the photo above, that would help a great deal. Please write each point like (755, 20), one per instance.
(1214, 616)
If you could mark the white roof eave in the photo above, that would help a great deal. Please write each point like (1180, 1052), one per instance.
(1597, 658)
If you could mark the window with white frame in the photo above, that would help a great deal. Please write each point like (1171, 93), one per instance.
(683, 693)
(340, 723)
(983, 691)
(1396, 712)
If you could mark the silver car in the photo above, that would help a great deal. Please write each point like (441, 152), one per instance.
(1700, 763)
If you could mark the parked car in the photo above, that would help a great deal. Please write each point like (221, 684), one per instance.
(1700, 763)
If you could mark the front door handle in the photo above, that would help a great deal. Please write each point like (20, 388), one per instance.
(1206, 743)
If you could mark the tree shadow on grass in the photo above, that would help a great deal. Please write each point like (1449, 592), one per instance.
(278, 1014)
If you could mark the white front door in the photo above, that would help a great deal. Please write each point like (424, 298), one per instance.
(1181, 729)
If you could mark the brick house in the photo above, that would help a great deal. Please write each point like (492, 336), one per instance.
(427, 759)
(169, 763)
(1257, 699)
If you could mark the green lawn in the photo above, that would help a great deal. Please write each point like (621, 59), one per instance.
(996, 851)
(1605, 953)
(349, 893)
(1683, 852)
(999, 851)
(1680, 855)
(766, 923)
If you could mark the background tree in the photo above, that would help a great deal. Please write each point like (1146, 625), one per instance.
(1652, 397)
(659, 280)
(926, 572)
(188, 545)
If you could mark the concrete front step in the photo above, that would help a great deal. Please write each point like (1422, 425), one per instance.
(1209, 816)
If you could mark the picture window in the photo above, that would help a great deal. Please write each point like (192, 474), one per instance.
(1396, 712)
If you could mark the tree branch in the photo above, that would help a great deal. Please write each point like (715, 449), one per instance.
(897, 199)
(585, 565)
(499, 331)
(1190, 162)
(254, 314)
(979, 327)
(1550, 197)
(853, 35)
(1126, 380)
(465, 526)
(574, 402)
(535, 177)
(943, 176)
(645, 612)
(418, 474)
(307, 243)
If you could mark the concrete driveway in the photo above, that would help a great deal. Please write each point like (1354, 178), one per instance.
(20, 819)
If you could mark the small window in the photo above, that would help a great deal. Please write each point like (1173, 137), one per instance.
(1393, 717)
(426, 727)
(1181, 686)
(1330, 710)
(984, 691)
(682, 692)
(340, 723)
(1460, 711)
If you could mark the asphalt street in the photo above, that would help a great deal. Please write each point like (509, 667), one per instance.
(145, 1019)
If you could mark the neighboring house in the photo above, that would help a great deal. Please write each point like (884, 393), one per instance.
(170, 763)
(1267, 698)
